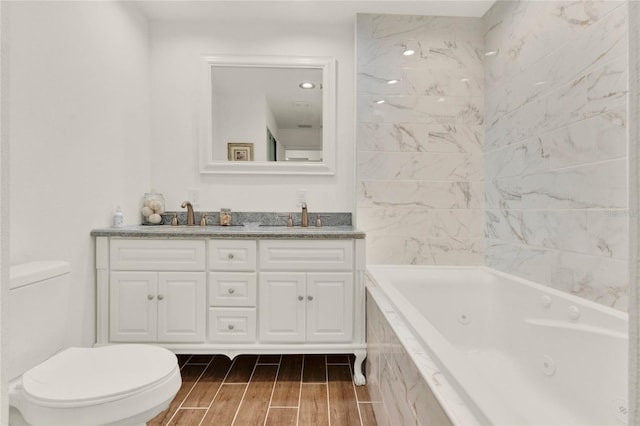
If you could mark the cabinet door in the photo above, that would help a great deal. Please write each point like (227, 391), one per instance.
(132, 306)
(281, 306)
(329, 307)
(181, 306)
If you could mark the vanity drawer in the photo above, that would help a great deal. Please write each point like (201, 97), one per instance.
(302, 255)
(157, 255)
(232, 289)
(232, 325)
(232, 255)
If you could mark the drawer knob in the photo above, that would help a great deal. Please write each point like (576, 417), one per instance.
(230, 256)
(160, 297)
(310, 298)
(230, 327)
(231, 291)
(150, 296)
(300, 297)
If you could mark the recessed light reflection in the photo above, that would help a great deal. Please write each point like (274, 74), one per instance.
(306, 85)
(442, 99)
(393, 81)
(381, 101)
(464, 80)
(408, 52)
(491, 53)
(540, 83)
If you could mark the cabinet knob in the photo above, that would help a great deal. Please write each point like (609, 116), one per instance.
(300, 297)
(230, 327)
(160, 297)
(310, 298)
(230, 256)
(150, 296)
(231, 291)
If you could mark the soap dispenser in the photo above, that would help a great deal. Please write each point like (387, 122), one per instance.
(118, 218)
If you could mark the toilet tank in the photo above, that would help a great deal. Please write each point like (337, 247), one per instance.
(38, 302)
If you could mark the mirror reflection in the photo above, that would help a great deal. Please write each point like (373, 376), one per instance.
(266, 113)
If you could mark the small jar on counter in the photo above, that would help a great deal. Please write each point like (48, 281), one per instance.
(225, 217)
(152, 208)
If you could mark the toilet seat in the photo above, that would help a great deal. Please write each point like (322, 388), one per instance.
(100, 385)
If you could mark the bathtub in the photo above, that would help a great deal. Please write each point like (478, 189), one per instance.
(498, 349)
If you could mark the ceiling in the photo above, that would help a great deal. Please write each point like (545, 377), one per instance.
(302, 10)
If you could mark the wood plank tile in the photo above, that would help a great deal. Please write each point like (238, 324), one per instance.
(313, 405)
(253, 409)
(338, 359)
(200, 359)
(315, 369)
(287, 390)
(343, 408)
(362, 394)
(368, 416)
(182, 359)
(282, 417)
(224, 407)
(188, 417)
(241, 369)
(190, 374)
(205, 389)
(269, 359)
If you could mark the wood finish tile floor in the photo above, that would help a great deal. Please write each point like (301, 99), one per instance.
(269, 390)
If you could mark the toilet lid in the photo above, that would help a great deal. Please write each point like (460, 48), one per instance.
(79, 376)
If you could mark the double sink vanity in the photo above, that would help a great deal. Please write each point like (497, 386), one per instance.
(233, 290)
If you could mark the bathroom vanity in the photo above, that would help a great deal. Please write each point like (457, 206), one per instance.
(228, 290)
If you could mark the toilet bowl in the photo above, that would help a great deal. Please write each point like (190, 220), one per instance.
(52, 385)
(123, 384)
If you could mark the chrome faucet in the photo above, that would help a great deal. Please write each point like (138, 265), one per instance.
(191, 217)
(305, 216)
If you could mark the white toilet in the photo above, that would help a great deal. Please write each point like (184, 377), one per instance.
(51, 385)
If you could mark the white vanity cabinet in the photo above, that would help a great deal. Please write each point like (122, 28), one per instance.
(311, 306)
(157, 291)
(207, 292)
(232, 291)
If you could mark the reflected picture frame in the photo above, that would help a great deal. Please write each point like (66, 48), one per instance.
(239, 151)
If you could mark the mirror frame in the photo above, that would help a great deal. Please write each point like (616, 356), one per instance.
(326, 167)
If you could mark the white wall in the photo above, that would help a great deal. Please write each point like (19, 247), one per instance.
(230, 114)
(301, 138)
(79, 137)
(175, 65)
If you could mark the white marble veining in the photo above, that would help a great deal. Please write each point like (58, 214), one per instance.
(403, 376)
(419, 137)
(556, 184)
(593, 232)
(420, 164)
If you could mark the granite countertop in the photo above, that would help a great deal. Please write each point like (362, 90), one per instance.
(235, 232)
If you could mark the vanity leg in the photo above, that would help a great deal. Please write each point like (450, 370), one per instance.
(358, 377)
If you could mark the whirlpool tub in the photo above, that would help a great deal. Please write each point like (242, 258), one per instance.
(475, 346)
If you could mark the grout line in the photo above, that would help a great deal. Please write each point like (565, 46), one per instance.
(355, 393)
(190, 390)
(219, 387)
(326, 378)
(300, 393)
(273, 388)
(244, 393)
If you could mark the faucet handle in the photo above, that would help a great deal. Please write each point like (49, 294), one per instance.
(318, 221)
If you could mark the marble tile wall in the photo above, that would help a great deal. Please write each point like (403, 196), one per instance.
(556, 186)
(420, 153)
(400, 394)
(634, 206)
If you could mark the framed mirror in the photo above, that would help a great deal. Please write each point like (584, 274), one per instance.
(268, 115)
